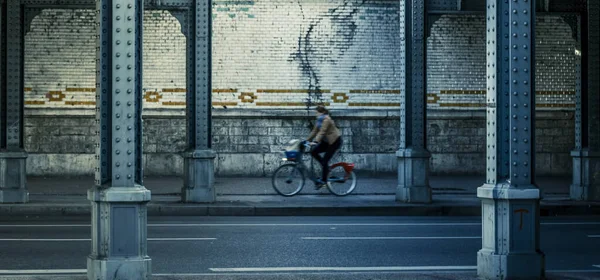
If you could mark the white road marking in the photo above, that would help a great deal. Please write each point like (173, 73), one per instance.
(375, 268)
(305, 224)
(594, 236)
(43, 271)
(596, 265)
(88, 239)
(391, 237)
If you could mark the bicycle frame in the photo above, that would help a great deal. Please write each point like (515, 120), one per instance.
(348, 167)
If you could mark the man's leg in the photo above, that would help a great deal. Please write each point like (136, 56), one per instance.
(320, 148)
(328, 155)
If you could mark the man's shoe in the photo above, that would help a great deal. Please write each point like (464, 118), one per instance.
(319, 184)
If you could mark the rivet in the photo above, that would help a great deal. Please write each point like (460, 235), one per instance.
(118, 115)
(129, 127)
(118, 140)
(117, 127)
(117, 152)
(129, 116)
(118, 176)
(128, 140)
(129, 152)
(129, 164)
(117, 164)
(129, 176)
(118, 103)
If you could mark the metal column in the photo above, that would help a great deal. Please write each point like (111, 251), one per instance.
(413, 157)
(199, 158)
(119, 243)
(510, 198)
(586, 156)
(12, 153)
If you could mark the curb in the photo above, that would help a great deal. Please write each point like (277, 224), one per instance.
(273, 210)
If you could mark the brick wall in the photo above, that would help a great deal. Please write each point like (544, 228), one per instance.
(457, 60)
(272, 54)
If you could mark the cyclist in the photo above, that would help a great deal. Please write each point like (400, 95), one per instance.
(327, 140)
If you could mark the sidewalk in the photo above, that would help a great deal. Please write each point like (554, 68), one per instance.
(452, 196)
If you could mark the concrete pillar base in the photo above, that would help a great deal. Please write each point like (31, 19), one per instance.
(586, 176)
(413, 176)
(510, 225)
(119, 233)
(118, 268)
(199, 176)
(12, 177)
(510, 266)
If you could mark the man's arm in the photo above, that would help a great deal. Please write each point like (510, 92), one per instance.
(324, 127)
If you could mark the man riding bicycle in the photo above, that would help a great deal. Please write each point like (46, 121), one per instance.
(327, 140)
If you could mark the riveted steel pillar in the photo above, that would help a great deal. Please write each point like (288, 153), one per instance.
(119, 243)
(199, 158)
(586, 156)
(510, 198)
(12, 153)
(413, 157)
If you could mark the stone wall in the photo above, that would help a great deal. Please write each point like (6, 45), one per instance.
(249, 144)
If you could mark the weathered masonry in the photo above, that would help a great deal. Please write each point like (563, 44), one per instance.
(344, 53)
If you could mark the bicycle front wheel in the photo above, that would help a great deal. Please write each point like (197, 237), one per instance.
(288, 180)
(341, 182)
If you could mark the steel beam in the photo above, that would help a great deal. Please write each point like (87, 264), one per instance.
(91, 4)
(199, 157)
(413, 157)
(510, 198)
(12, 153)
(119, 243)
(586, 156)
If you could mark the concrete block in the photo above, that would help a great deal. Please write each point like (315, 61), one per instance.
(163, 164)
(240, 164)
(60, 164)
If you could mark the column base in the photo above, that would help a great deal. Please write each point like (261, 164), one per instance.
(510, 225)
(413, 176)
(199, 176)
(586, 176)
(12, 177)
(510, 266)
(118, 268)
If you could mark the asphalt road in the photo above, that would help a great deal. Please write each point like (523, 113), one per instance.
(296, 247)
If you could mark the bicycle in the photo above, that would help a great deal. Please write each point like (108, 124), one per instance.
(289, 178)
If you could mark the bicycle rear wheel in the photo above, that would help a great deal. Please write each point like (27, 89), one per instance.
(288, 180)
(341, 182)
